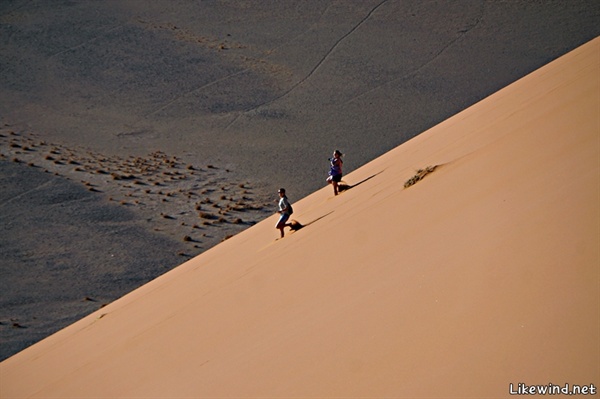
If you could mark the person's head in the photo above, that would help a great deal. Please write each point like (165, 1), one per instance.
(281, 192)
(337, 153)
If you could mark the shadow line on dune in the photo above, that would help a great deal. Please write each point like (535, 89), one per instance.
(343, 186)
(296, 225)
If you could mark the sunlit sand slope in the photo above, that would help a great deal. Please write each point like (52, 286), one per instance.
(482, 274)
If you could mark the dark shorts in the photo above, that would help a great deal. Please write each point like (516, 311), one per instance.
(336, 178)
(282, 220)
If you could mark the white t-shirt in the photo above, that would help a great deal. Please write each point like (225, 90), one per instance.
(284, 205)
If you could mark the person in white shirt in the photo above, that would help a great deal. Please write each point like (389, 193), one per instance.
(285, 210)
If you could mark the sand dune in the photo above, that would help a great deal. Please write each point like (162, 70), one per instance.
(482, 274)
(263, 91)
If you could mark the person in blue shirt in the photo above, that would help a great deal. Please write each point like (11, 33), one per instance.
(335, 171)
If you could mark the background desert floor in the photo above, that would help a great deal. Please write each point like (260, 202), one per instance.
(141, 112)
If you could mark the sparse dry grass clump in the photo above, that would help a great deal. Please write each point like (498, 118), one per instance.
(421, 173)
(117, 176)
(206, 215)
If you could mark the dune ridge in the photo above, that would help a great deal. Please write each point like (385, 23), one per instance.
(481, 275)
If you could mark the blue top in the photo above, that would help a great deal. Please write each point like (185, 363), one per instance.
(336, 167)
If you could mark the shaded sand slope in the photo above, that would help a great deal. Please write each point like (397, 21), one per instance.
(482, 274)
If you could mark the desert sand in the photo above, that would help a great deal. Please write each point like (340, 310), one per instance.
(96, 96)
(481, 274)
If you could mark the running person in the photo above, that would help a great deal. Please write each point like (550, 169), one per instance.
(335, 172)
(285, 210)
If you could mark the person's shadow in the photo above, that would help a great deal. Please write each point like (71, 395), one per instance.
(343, 186)
(296, 225)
